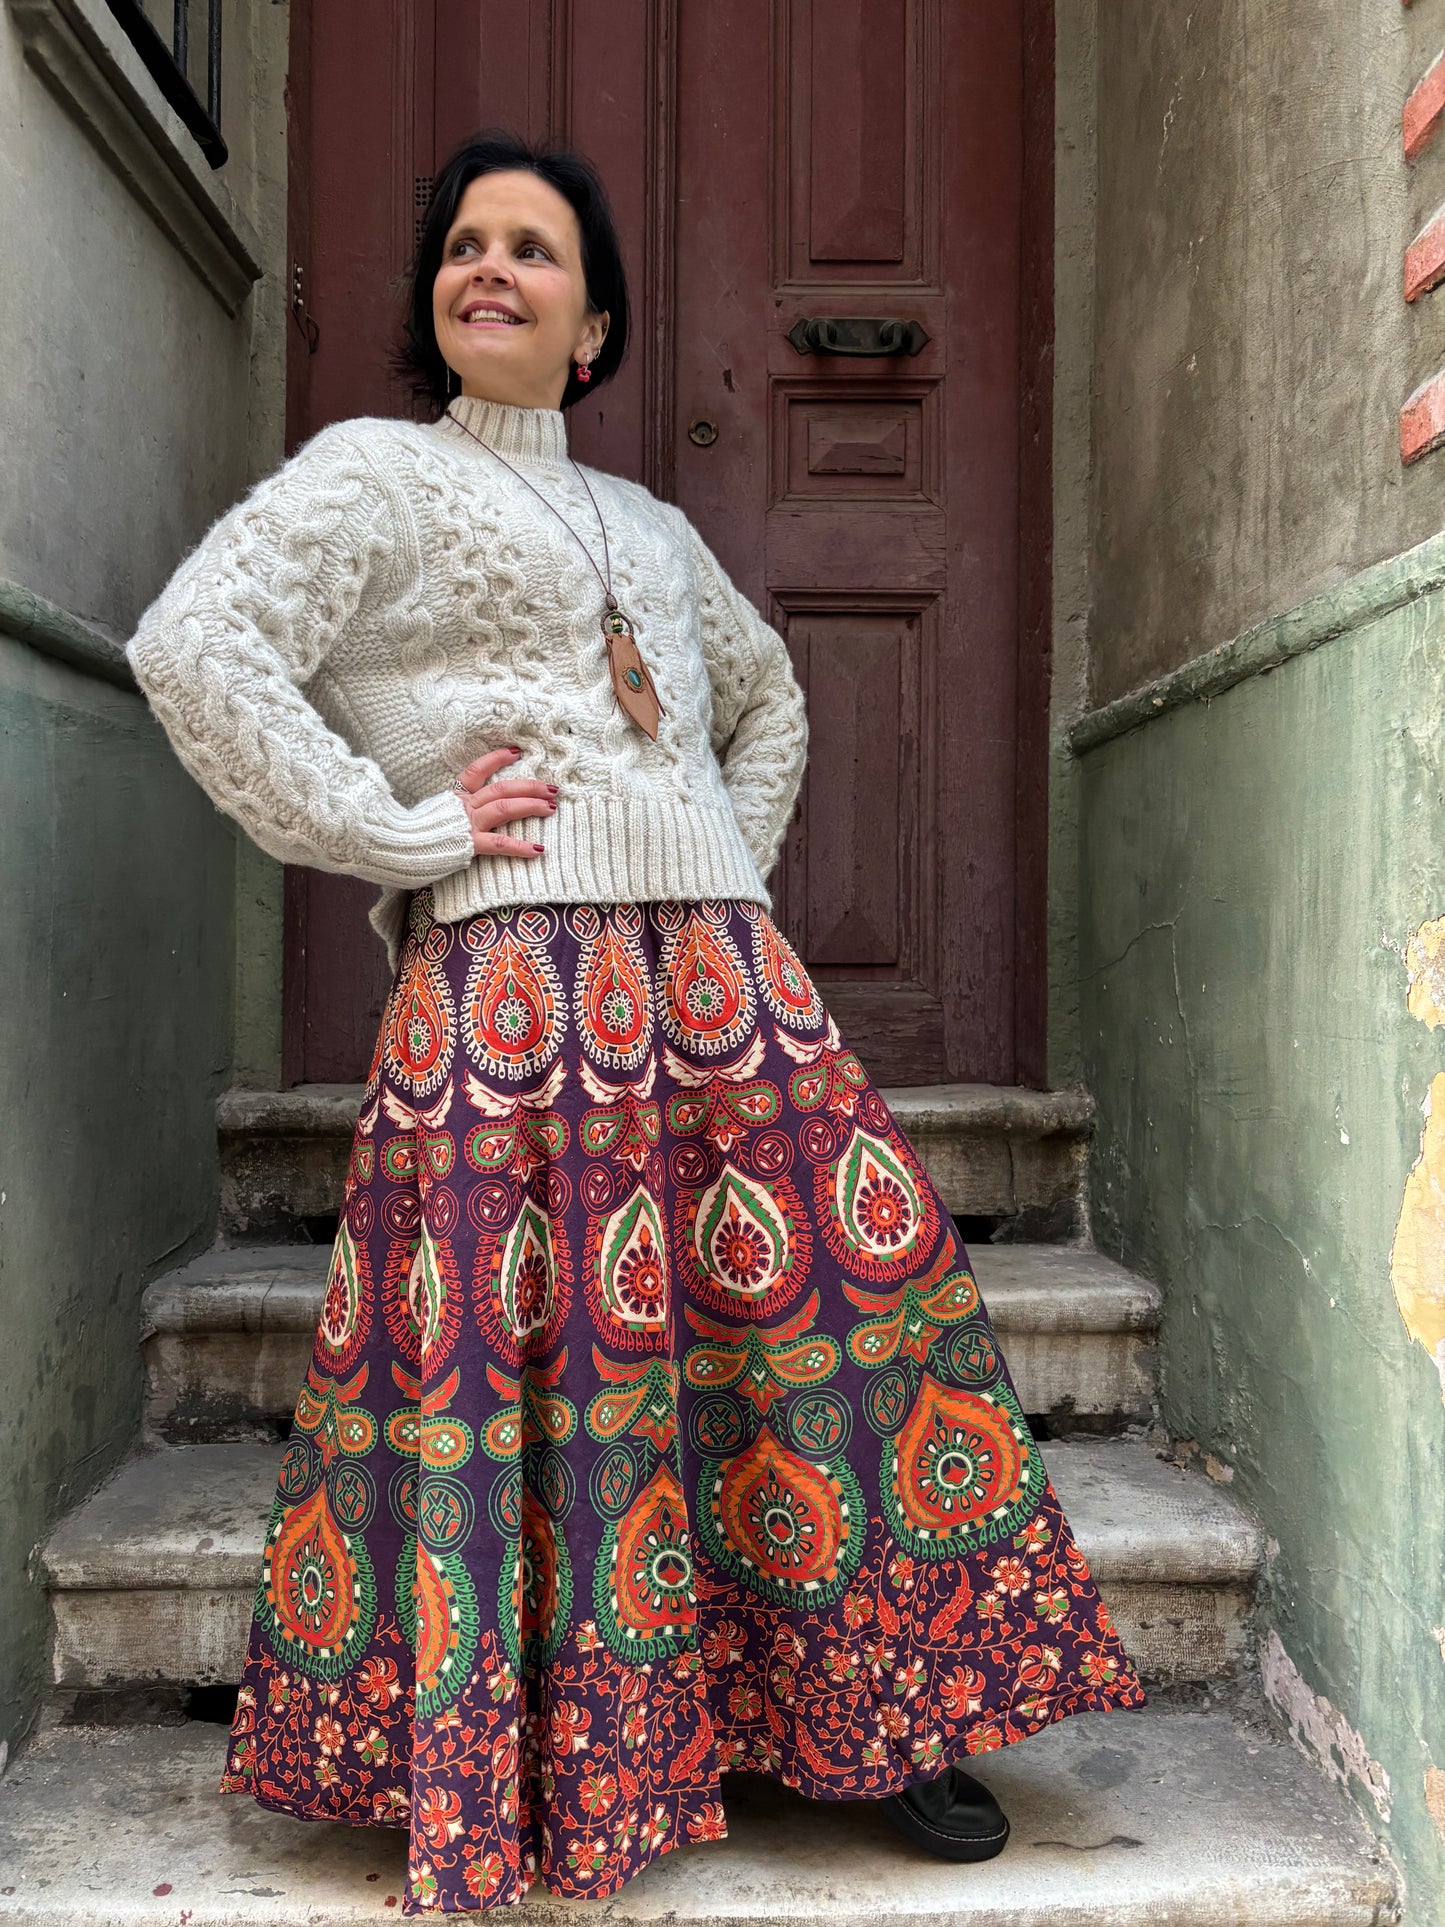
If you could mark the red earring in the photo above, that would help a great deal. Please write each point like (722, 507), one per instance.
(584, 373)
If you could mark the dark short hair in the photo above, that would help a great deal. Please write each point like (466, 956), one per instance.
(417, 359)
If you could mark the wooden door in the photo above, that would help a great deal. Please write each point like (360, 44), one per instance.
(771, 163)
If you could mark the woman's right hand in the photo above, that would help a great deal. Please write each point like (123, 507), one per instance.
(491, 804)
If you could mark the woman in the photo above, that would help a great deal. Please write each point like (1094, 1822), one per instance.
(654, 1426)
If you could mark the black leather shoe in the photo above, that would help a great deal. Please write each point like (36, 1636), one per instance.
(953, 1815)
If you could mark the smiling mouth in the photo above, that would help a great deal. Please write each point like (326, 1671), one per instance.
(489, 317)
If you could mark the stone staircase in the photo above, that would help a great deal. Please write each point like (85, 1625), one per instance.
(1188, 1811)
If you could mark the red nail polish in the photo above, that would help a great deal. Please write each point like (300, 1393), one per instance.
(538, 848)
(515, 746)
(555, 788)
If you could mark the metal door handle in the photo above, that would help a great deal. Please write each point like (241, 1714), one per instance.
(822, 334)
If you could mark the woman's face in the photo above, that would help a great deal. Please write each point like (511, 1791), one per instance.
(514, 245)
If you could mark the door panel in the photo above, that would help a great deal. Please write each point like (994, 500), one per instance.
(884, 480)
(768, 162)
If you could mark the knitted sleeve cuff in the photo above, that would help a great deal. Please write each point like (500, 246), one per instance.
(424, 843)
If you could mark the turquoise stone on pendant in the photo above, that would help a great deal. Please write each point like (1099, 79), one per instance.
(632, 678)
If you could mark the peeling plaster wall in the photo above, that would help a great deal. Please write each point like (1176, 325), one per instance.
(1252, 869)
(134, 409)
(1253, 344)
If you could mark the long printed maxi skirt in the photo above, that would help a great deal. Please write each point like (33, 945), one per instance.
(654, 1427)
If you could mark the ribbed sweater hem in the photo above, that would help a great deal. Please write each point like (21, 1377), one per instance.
(598, 850)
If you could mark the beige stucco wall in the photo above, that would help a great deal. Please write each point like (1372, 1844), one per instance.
(133, 407)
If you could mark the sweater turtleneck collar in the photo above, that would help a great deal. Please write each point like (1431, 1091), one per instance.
(537, 435)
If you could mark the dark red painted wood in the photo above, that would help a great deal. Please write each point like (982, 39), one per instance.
(360, 96)
(766, 160)
(872, 166)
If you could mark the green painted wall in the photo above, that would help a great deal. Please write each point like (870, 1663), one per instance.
(117, 879)
(1250, 867)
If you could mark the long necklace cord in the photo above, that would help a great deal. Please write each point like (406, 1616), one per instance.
(609, 598)
(605, 581)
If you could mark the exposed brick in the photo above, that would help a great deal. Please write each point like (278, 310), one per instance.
(1425, 257)
(1422, 419)
(1423, 109)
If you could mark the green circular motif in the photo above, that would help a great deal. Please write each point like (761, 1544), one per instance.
(555, 1484)
(885, 1404)
(504, 1503)
(297, 1469)
(353, 1495)
(614, 1480)
(446, 1512)
(972, 1356)
(401, 1496)
(820, 1422)
(716, 1426)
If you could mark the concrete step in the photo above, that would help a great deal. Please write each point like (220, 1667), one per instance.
(227, 1338)
(994, 1151)
(1126, 1819)
(152, 1579)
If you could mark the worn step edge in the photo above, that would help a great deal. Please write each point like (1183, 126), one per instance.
(155, 1581)
(326, 1110)
(227, 1341)
(1119, 1820)
(1050, 1289)
(1009, 1110)
(993, 1152)
(192, 1517)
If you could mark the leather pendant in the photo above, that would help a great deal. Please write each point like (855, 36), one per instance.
(631, 677)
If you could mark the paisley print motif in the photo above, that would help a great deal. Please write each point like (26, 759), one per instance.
(434, 1296)
(787, 989)
(419, 1036)
(876, 1209)
(741, 1241)
(537, 1582)
(437, 1608)
(522, 1278)
(645, 1601)
(640, 1397)
(400, 1296)
(786, 1525)
(613, 997)
(763, 1362)
(708, 1005)
(962, 1472)
(829, 1079)
(654, 1428)
(625, 1124)
(346, 1308)
(317, 1599)
(628, 1270)
(911, 1320)
(511, 1006)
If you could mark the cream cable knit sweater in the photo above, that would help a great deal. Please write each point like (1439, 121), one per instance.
(393, 601)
